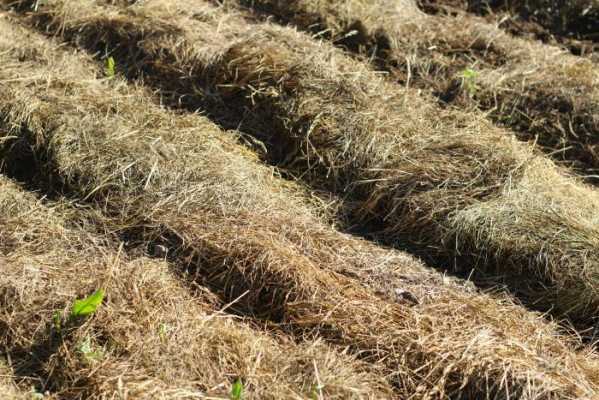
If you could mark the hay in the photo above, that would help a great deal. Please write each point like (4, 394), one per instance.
(8, 388)
(428, 182)
(540, 92)
(177, 181)
(152, 338)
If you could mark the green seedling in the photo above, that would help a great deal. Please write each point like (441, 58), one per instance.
(34, 394)
(88, 351)
(89, 305)
(163, 330)
(57, 321)
(110, 68)
(237, 390)
(469, 77)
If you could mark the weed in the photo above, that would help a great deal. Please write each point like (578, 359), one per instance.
(110, 68)
(469, 77)
(163, 330)
(87, 306)
(57, 321)
(237, 390)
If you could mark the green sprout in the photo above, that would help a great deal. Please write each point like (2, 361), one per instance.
(237, 390)
(57, 321)
(163, 330)
(89, 352)
(34, 394)
(469, 77)
(110, 68)
(87, 306)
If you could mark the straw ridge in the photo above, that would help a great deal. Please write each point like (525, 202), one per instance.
(452, 186)
(537, 90)
(151, 338)
(174, 181)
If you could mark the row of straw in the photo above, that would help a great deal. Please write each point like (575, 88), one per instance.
(162, 179)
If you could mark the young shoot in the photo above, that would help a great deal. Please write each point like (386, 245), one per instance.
(110, 68)
(469, 77)
(87, 306)
(237, 390)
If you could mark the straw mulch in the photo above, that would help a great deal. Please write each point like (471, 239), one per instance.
(541, 92)
(154, 336)
(452, 187)
(162, 180)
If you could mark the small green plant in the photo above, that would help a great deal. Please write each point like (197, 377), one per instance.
(34, 394)
(57, 321)
(163, 330)
(237, 390)
(89, 352)
(469, 77)
(87, 306)
(110, 68)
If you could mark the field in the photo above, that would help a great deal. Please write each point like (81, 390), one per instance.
(307, 199)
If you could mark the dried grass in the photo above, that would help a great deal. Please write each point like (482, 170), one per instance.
(8, 388)
(177, 181)
(452, 186)
(155, 339)
(541, 92)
